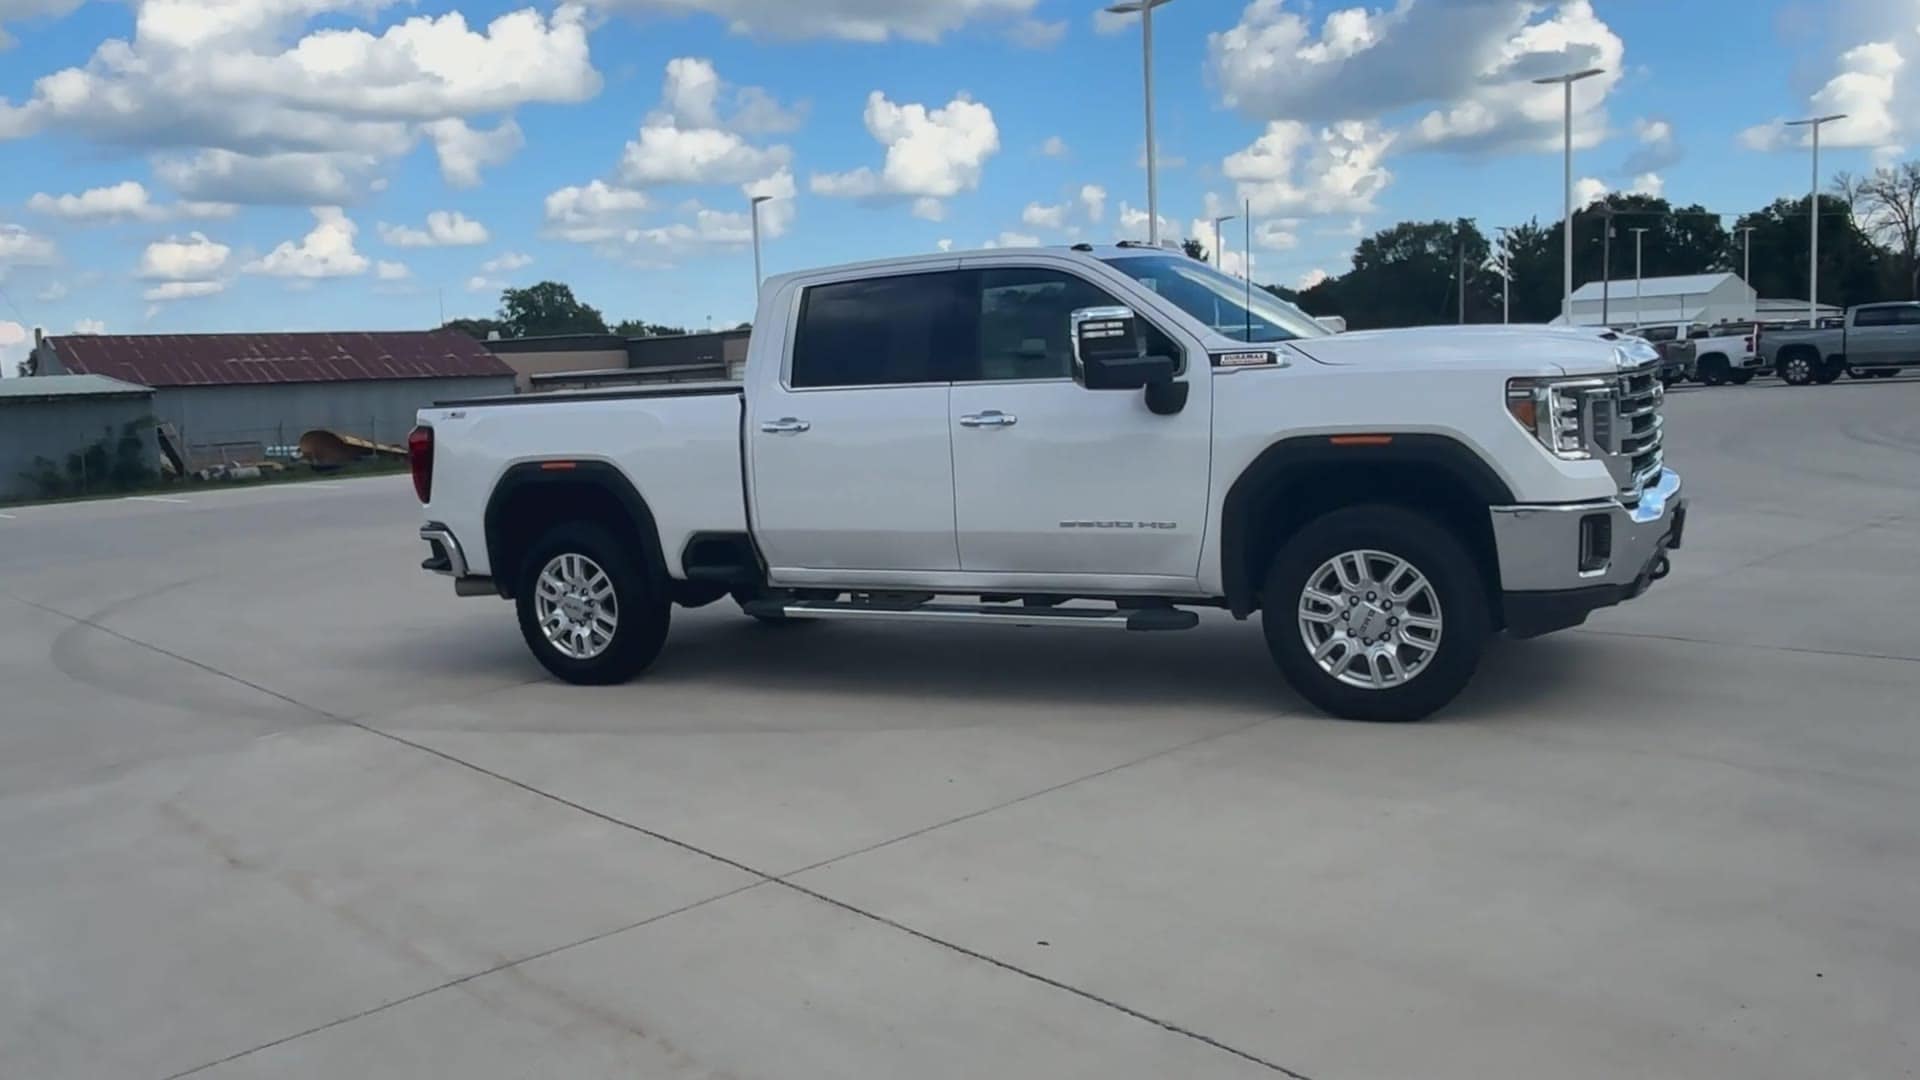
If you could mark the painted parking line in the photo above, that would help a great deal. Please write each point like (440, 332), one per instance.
(154, 498)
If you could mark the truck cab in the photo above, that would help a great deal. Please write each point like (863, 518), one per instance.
(1101, 438)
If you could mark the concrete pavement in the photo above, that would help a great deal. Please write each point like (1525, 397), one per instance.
(275, 803)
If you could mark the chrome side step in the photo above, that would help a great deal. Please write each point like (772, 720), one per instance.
(1158, 618)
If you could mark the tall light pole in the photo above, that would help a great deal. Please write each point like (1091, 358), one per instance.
(1637, 234)
(1220, 242)
(1567, 81)
(1813, 217)
(1145, 10)
(1506, 279)
(753, 208)
(1746, 270)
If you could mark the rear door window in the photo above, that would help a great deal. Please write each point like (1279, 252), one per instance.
(884, 331)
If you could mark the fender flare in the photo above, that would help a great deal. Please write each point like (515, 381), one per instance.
(558, 473)
(1292, 461)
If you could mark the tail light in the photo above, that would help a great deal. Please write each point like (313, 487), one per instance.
(420, 460)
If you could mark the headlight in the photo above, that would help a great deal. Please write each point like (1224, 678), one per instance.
(1562, 413)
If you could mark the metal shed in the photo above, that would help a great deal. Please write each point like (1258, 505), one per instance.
(232, 396)
(53, 417)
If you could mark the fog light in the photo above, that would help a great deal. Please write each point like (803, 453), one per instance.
(1596, 543)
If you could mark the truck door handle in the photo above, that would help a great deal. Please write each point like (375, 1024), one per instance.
(786, 425)
(992, 418)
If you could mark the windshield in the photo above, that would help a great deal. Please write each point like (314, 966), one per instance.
(1218, 300)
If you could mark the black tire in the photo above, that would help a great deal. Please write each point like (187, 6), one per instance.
(1827, 372)
(1740, 378)
(1798, 368)
(1434, 551)
(642, 607)
(1859, 373)
(1713, 369)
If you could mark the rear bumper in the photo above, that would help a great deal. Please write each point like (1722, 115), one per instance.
(1558, 563)
(446, 556)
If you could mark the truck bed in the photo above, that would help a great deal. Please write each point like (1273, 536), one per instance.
(678, 445)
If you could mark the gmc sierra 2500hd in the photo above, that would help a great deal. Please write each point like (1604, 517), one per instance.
(1089, 437)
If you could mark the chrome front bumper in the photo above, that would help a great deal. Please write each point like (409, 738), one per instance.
(1560, 561)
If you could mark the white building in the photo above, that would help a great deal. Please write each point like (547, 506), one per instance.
(1698, 298)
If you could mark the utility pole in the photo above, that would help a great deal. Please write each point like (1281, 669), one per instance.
(1460, 273)
(753, 207)
(1606, 265)
(1813, 218)
(1506, 279)
(1637, 235)
(1746, 271)
(1220, 242)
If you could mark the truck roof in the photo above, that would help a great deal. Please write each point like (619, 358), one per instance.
(937, 259)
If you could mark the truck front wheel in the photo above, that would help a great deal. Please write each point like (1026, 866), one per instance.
(589, 612)
(1375, 612)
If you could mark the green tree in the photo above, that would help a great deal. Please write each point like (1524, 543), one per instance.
(1887, 204)
(1677, 241)
(634, 328)
(477, 329)
(1194, 249)
(547, 308)
(1850, 262)
(1407, 275)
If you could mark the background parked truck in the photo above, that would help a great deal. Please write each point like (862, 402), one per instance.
(1872, 341)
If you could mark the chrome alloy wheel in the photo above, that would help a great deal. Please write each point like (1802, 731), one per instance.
(1799, 371)
(1370, 619)
(576, 607)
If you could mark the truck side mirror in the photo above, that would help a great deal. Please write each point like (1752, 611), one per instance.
(1108, 353)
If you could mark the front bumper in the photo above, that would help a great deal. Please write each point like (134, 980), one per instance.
(1559, 562)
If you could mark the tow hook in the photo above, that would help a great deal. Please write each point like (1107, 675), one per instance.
(1661, 568)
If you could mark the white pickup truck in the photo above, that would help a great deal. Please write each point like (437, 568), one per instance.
(1091, 437)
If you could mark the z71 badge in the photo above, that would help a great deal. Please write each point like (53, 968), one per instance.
(1245, 359)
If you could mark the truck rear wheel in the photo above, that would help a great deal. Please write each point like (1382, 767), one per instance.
(1740, 378)
(1714, 369)
(589, 611)
(1376, 613)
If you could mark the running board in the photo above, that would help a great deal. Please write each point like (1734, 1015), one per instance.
(1157, 618)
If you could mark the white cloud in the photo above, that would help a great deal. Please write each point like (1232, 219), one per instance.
(181, 290)
(464, 151)
(1473, 60)
(757, 112)
(934, 153)
(1656, 147)
(327, 251)
(1588, 190)
(692, 94)
(445, 228)
(1238, 263)
(847, 20)
(1865, 89)
(776, 215)
(1012, 240)
(665, 154)
(12, 10)
(1291, 169)
(89, 326)
(1044, 217)
(194, 259)
(1035, 34)
(594, 212)
(1094, 198)
(944, 244)
(1277, 234)
(477, 283)
(1055, 146)
(16, 341)
(225, 176)
(18, 247)
(391, 271)
(127, 200)
(1311, 278)
(207, 81)
(1108, 22)
(1133, 224)
(1648, 183)
(506, 262)
(54, 292)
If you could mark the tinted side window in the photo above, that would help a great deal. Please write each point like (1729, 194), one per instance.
(877, 332)
(1907, 316)
(1023, 329)
(1659, 333)
(1874, 317)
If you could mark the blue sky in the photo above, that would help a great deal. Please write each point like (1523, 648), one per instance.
(186, 165)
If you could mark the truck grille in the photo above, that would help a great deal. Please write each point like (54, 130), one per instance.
(1638, 431)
